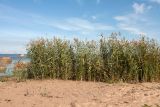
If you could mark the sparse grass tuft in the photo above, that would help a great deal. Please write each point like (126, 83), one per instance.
(145, 105)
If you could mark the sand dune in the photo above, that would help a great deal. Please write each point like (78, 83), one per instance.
(59, 93)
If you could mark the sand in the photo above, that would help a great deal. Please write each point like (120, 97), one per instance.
(59, 93)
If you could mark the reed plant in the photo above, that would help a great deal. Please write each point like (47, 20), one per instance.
(107, 60)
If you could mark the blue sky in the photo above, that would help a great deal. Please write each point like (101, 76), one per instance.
(24, 20)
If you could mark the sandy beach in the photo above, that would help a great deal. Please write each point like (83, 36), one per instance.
(60, 93)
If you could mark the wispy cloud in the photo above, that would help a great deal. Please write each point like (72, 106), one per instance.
(68, 24)
(140, 8)
(12, 15)
(155, 1)
(25, 26)
(135, 21)
(78, 24)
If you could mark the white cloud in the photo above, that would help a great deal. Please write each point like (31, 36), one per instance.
(121, 18)
(131, 23)
(136, 21)
(129, 28)
(68, 24)
(81, 25)
(138, 8)
(155, 1)
(29, 26)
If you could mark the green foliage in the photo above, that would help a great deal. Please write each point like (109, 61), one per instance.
(21, 75)
(109, 60)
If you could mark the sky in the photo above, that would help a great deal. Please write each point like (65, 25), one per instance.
(25, 20)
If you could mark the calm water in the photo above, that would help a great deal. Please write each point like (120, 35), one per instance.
(15, 59)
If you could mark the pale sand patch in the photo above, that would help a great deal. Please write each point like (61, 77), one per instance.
(59, 93)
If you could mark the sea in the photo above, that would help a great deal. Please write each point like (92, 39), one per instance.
(15, 58)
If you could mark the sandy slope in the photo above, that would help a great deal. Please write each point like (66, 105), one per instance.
(59, 93)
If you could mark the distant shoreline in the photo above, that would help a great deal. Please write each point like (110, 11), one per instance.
(15, 58)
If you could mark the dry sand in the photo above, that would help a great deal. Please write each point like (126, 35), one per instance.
(59, 93)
